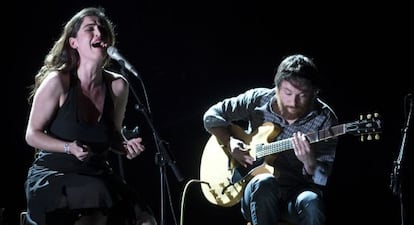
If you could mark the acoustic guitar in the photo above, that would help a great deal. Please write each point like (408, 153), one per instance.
(226, 179)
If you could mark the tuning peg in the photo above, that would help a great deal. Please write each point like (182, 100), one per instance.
(369, 137)
(369, 116)
(362, 138)
(376, 115)
(377, 136)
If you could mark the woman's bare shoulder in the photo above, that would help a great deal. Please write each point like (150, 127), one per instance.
(117, 81)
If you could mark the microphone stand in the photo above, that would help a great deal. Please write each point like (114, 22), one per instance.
(163, 157)
(395, 175)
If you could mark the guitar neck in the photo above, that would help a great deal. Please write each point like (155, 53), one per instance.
(266, 149)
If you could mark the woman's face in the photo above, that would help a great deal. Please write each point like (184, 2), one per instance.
(90, 40)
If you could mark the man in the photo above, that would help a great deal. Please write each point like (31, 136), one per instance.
(293, 191)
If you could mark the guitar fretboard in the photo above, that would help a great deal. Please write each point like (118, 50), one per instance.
(266, 149)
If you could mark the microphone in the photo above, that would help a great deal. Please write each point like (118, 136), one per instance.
(114, 54)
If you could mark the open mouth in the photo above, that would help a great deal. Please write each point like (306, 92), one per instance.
(97, 44)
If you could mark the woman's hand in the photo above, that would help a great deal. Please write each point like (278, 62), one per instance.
(79, 150)
(133, 147)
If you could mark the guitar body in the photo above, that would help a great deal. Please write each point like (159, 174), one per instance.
(227, 178)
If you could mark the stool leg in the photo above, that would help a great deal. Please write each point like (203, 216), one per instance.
(23, 220)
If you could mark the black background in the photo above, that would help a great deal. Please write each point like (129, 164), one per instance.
(191, 54)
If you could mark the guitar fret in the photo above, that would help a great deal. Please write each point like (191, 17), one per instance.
(274, 147)
(326, 133)
(266, 149)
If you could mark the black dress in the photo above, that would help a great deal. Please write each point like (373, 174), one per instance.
(58, 181)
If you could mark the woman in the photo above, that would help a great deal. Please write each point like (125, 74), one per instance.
(76, 117)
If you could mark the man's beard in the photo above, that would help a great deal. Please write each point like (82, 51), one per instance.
(291, 113)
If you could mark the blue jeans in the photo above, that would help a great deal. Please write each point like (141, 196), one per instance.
(264, 203)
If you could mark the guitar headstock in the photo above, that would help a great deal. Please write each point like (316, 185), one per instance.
(367, 127)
